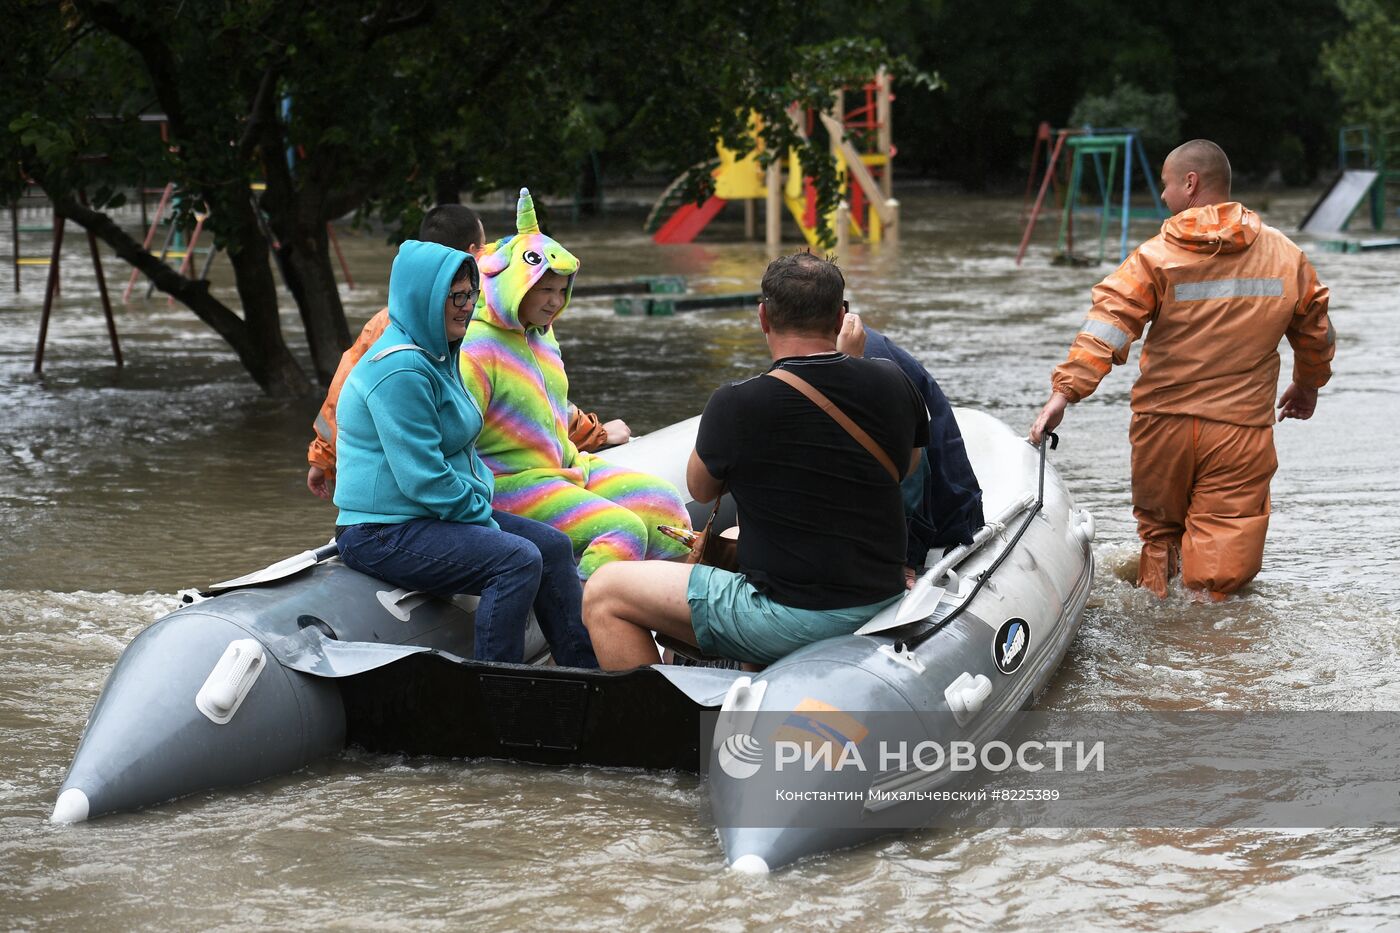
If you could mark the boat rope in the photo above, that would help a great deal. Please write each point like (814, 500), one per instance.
(910, 644)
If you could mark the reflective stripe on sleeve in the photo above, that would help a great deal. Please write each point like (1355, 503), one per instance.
(1115, 337)
(323, 428)
(1229, 288)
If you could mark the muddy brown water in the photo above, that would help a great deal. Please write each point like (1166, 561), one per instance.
(119, 488)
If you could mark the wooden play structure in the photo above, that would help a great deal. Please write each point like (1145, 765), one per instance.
(1088, 147)
(864, 153)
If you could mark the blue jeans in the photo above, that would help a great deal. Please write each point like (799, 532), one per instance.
(524, 564)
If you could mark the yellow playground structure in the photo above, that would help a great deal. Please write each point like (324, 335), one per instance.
(864, 154)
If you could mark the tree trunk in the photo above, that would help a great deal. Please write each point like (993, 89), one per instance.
(297, 209)
(589, 187)
(257, 289)
(305, 255)
(256, 338)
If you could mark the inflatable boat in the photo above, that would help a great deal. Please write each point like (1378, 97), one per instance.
(263, 674)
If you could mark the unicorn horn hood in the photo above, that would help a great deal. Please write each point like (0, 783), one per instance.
(511, 266)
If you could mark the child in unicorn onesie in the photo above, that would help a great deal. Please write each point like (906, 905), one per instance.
(512, 367)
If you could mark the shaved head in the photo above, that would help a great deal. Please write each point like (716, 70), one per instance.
(1207, 160)
(1194, 174)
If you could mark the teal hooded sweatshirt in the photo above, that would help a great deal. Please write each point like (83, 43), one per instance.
(406, 444)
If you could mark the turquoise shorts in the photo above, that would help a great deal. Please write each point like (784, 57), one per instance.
(733, 620)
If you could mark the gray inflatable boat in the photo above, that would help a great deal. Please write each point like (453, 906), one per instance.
(261, 675)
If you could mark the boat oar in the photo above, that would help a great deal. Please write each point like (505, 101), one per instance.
(281, 570)
(1049, 441)
(921, 601)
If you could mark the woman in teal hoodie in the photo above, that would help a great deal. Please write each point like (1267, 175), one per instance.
(414, 497)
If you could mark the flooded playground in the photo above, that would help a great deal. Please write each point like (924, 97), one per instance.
(119, 487)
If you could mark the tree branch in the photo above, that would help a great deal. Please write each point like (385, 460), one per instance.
(381, 24)
(146, 41)
(193, 294)
(506, 51)
(257, 111)
(339, 203)
(79, 35)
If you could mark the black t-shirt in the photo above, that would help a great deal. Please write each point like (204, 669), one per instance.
(821, 521)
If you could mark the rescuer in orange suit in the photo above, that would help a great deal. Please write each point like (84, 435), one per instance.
(1219, 289)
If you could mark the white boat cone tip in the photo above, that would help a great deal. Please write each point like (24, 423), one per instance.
(750, 865)
(72, 807)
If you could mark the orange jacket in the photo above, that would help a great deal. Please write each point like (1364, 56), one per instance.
(585, 429)
(1220, 289)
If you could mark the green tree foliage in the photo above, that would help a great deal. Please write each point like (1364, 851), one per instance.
(78, 79)
(378, 107)
(382, 107)
(1364, 62)
(1245, 74)
(1156, 117)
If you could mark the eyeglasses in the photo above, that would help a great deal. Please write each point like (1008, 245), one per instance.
(462, 299)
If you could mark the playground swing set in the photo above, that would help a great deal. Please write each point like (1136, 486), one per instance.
(19, 261)
(1367, 176)
(1080, 148)
(174, 247)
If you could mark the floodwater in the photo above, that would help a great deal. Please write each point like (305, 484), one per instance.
(118, 488)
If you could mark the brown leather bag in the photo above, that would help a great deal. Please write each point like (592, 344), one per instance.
(711, 548)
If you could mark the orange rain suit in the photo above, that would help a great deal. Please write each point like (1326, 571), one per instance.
(585, 428)
(1219, 289)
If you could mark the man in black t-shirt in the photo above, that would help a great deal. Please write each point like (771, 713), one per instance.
(823, 541)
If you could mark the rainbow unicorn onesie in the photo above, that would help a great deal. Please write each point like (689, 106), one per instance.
(516, 375)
